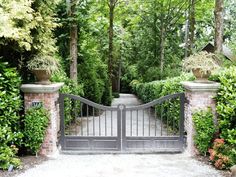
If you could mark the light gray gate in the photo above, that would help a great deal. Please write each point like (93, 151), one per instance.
(157, 126)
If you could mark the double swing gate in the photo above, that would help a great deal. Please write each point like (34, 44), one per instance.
(157, 126)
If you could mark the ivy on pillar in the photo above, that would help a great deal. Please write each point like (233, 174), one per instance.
(199, 96)
(47, 95)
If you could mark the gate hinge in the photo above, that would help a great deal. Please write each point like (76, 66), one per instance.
(186, 100)
(56, 102)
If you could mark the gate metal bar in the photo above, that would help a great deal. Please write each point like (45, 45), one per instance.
(83, 142)
(154, 143)
(140, 137)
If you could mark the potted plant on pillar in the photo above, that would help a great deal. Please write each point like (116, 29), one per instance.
(42, 66)
(201, 64)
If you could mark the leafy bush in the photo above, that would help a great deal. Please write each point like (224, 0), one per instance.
(93, 73)
(69, 87)
(169, 110)
(226, 108)
(8, 157)
(35, 125)
(205, 129)
(10, 105)
(221, 155)
(116, 95)
(130, 73)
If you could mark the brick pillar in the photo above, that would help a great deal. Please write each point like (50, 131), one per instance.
(47, 95)
(198, 96)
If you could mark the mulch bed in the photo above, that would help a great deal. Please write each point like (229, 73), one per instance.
(27, 162)
(205, 160)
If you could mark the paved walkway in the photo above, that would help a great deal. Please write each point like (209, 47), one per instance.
(140, 122)
(123, 165)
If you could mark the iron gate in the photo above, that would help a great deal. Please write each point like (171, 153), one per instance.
(157, 126)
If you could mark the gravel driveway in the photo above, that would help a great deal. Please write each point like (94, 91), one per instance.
(159, 165)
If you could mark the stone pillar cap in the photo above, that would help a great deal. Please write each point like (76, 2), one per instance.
(194, 86)
(38, 88)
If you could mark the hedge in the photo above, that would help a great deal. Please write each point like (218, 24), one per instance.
(169, 111)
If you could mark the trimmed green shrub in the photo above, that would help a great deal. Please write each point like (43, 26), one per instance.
(205, 130)
(35, 125)
(10, 105)
(169, 110)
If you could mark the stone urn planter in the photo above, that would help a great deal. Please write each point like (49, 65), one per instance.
(42, 76)
(201, 64)
(201, 76)
(42, 66)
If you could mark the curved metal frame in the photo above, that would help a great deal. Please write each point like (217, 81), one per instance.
(156, 101)
(88, 102)
(122, 140)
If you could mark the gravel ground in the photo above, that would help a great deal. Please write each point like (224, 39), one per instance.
(27, 163)
(130, 165)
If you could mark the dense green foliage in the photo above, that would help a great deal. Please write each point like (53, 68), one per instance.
(35, 124)
(226, 109)
(69, 87)
(169, 111)
(92, 68)
(205, 130)
(226, 105)
(10, 105)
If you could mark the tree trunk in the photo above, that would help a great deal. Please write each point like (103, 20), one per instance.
(192, 22)
(110, 52)
(73, 42)
(155, 37)
(219, 22)
(119, 72)
(113, 80)
(162, 49)
(186, 38)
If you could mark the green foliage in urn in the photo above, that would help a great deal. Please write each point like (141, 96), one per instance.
(35, 124)
(203, 61)
(205, 130)
(44, 62)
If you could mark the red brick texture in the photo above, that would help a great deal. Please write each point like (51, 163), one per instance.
(49, 101)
